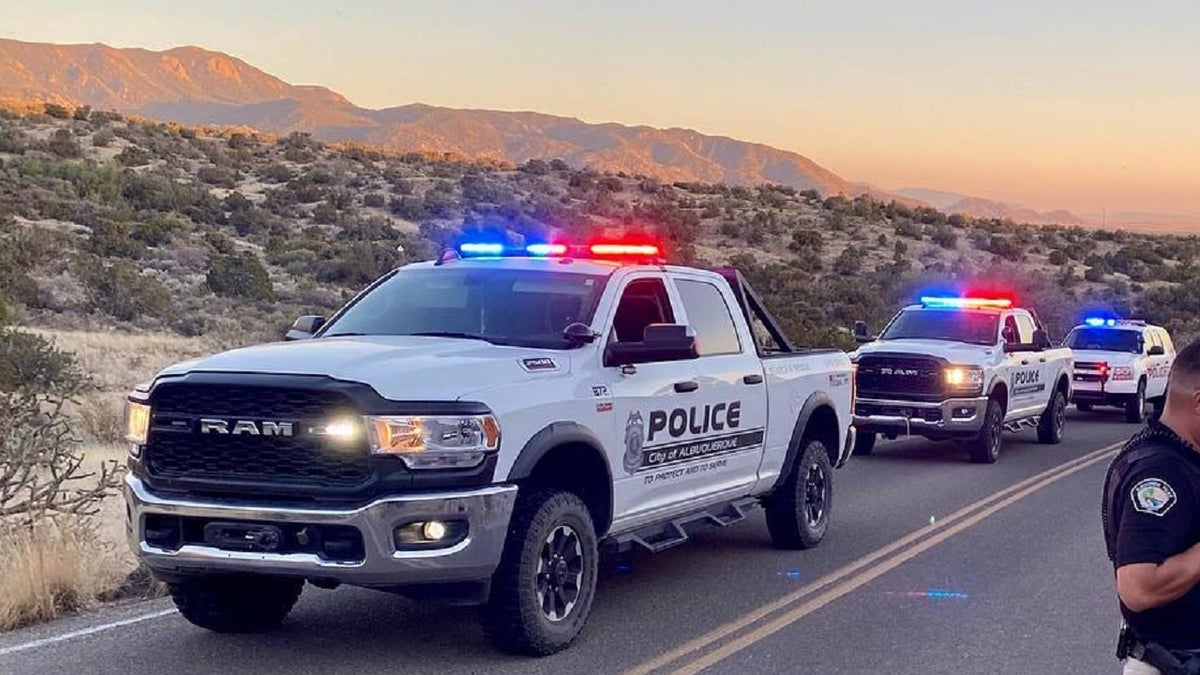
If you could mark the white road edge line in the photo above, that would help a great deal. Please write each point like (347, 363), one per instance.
(85, 631)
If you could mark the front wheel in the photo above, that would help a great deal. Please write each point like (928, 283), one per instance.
(543, 588)
(1135, 408)
(1054, 420)
(798, 514)
(235, 604)
(985, 447)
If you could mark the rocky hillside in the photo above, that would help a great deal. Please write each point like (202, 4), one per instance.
(108, 222)
(196, 86)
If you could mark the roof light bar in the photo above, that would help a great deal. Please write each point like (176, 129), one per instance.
(1096, 321)
(966, 303)
(615, 250)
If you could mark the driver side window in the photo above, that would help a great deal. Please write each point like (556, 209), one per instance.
(644, 302)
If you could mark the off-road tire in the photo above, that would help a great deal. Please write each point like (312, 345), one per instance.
(864, 444)
(985, 447)
(798, 513)
(513, 618)
(235, 604)
(1054, 420)
(1135, 408)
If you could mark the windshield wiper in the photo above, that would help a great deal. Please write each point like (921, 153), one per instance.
(453, 334)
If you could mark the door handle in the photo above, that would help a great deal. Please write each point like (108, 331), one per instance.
(753, 378)
(1042, 360)
(1024, 362)
(686, 386)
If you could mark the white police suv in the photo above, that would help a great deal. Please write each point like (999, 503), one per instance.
(472, 429)
(1120, 362)
(960, 368)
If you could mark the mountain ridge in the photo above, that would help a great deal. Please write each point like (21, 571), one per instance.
(193, 85)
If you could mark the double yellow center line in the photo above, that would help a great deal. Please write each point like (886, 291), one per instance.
(748, 629)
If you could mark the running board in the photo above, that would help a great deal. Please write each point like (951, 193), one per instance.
(1028, 422)
(661, 536)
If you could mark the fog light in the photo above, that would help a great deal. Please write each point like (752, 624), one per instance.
(430, 534)
(434, 530)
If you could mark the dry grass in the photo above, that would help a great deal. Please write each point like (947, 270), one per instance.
(66, 564)
(116, 360)
(58, 567)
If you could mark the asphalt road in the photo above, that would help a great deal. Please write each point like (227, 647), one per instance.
(932, 565)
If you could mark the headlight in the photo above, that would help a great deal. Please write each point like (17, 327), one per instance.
(137, 422)
(434, 442)
(964, 377)
(1122, 373)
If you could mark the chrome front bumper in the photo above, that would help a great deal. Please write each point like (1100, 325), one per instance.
(956, 415)
(487, 512)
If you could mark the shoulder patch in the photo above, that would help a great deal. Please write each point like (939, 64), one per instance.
(1153, 496)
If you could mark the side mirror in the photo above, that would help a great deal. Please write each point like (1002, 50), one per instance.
(660, 342)
(305, 327)
(1157, 350)
(861, 334)
(1041, 340)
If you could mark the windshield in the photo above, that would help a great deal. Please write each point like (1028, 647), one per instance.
(953, 325)
(1106, 340)
(509, 307)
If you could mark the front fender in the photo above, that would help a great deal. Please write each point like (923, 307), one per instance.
(814, 402)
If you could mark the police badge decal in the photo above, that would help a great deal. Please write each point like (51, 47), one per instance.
(1153, 496)
(635, 429)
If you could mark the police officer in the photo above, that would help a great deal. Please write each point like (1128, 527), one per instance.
(1152, 530)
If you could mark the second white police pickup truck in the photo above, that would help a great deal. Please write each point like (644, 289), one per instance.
(472, 429)
(960, 368)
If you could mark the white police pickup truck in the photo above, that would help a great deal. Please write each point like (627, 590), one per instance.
(960, 368)
(471, 429)
(1120, 362)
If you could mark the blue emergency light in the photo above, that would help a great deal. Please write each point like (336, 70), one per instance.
(1098, 321)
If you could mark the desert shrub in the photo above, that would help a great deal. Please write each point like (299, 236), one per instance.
(48, 548)
(374, 200)
(57, 111)
(134, 156)
(103, 138)
(122, 291)
(945, 236)
(906, 228)
(114, 240)
(239, 276)
(218, 176)
(40, 464)
(63, 144)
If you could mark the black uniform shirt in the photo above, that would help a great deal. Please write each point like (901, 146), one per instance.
(1154, 515)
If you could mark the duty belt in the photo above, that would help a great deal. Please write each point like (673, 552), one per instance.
(1168, 661)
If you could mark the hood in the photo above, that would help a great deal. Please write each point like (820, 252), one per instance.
(955, 352)
(1095, 355)
(398, 367)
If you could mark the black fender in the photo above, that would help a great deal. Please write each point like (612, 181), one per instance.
(814, 401)
(555, 435)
